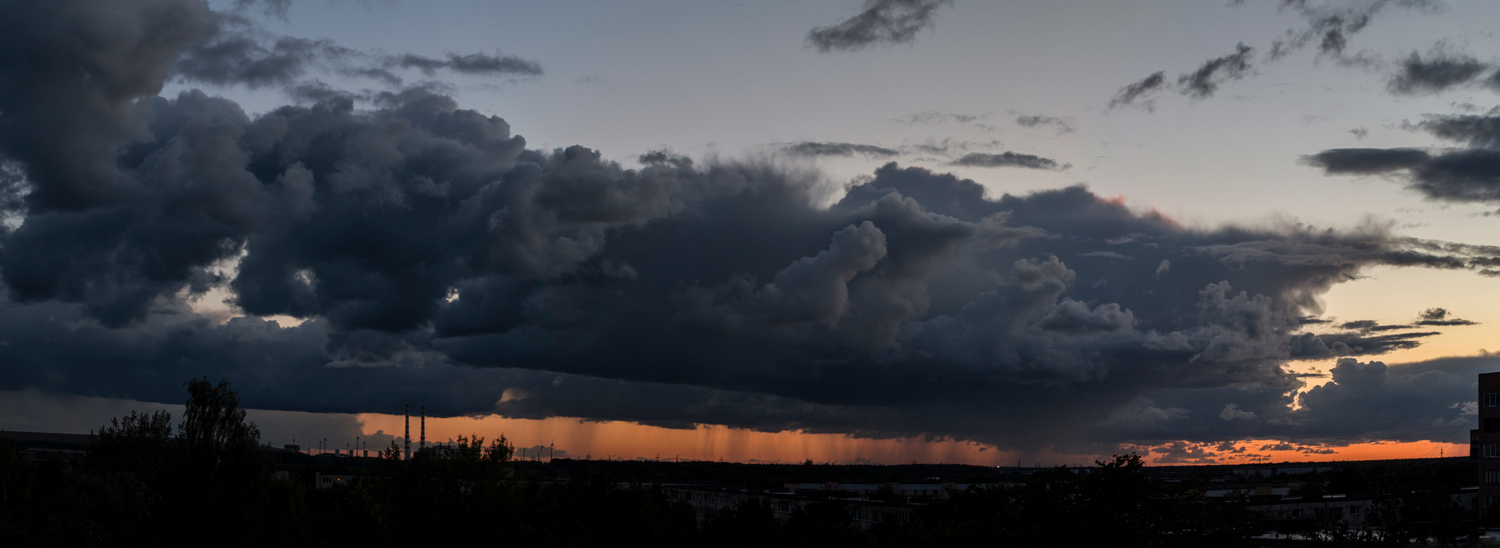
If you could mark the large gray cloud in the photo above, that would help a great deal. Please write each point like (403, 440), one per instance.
(878, 22)
(1467, 174)
(436, 258)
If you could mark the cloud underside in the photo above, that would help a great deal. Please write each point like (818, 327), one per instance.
(438, 259)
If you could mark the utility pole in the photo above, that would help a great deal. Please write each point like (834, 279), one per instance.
(407, 437)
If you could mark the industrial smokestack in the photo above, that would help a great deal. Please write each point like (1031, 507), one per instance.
(423, 447)
(407, 454)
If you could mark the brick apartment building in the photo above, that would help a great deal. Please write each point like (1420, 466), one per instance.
(1484, 443)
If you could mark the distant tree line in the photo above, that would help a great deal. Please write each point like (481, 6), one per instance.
(207, 481)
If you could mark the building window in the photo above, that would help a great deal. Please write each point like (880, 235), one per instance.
(1491, 501)
(1492, 476)
(1491, 450)
(1297, 513)
(1492, 399)
(1353, 510)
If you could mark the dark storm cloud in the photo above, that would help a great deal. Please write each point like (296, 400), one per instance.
(436, 258)
(1478, 131)
(1470, 175)
(1140, 93)
(1464, 176)
(1206, 80)
(1435, 74)
(1369, 400)
(812, 148)
(879, 22)
(1006, 159)
(242, 58)
(271, 7)
(665, 157)
(1367, 161)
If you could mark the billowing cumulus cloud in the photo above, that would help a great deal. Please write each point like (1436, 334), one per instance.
(1232, 412)
(878, 22)
(436, 258)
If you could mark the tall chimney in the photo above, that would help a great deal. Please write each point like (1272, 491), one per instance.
(423, 447)
(407, 454)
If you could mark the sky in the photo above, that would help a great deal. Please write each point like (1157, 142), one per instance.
(842, 230)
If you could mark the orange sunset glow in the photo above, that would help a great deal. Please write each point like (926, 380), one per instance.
(625, 440)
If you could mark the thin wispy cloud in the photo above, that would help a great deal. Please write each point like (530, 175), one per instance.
(879, 22)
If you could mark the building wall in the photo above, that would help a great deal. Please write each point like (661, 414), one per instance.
(1488, 445)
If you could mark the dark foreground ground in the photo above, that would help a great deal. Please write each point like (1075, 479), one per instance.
(143, 487)
(144, 480)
